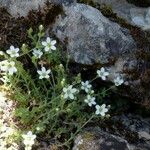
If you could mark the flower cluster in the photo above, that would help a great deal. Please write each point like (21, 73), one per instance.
(118, 81)
(69, 92)
(102, 73)
(86, 86)
(29, 140)
(6, 131)
(44, 73)
(61, 90)
(8, 67)
(102, 110)
(13, 52)
(90, 100)
(37, 53)
(49, 45)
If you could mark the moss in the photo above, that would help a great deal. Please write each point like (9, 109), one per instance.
(14, 30)
(144, 55)
(87, 138)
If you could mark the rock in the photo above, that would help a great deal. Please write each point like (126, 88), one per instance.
(91, 37)
(130, 132)
(132, 14)
(98, 140)
(132, 128)
(140, 3)
(22, 7)
(137, 125)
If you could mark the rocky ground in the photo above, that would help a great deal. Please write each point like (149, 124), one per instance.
(110, 33)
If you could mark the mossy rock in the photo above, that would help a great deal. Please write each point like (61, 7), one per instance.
(95, 139)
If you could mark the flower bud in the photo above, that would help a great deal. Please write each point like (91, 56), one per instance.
(57, 109)
(63, 82)
(62, 97)
(61, 66)
(38, 128)
(41, 27)
(23, 45)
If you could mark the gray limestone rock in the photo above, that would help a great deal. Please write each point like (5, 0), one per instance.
(136, 125)
(131, 132)
(91, 37)
(95, 139)
(22, 7)
(134, 15)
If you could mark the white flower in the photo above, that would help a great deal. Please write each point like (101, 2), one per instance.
(9, 131)
(5, 79)
(37, 53)
(102, 73)
(3, 128)
(69, 92)
(8, 67)
(1, 53)
(29, 139)
(13, 52)
(101, 110)
(13, 146)
(3, 144)
(28, 147)
(11, 68)
(90, 100)
(3, 103)
(80, 142)
(3, 65)
(86, 86)
(49, 45)
(118, 81)
(44, 73)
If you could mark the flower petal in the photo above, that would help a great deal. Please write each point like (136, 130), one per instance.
(53, 47)
(44, 43)
(53, 42)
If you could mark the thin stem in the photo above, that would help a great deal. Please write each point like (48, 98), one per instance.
(109, 89)
(25, 53)
(94, 79)
(53, 79)
(78, 131)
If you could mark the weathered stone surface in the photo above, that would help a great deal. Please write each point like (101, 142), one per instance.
(130, 132)
(137, 130)
(91, 37)
(134, 15)
(95, 139)
(22, 7)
